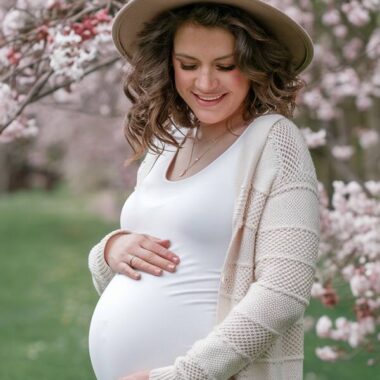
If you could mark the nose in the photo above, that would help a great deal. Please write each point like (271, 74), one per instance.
(206, 81)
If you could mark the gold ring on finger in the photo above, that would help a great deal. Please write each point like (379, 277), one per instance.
(131, 259)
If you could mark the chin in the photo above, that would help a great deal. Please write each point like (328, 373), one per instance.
(210, 119)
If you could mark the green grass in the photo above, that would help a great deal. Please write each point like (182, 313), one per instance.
(47, 297)
(46, 293)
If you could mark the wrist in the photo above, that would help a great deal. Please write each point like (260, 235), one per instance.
(110, 239)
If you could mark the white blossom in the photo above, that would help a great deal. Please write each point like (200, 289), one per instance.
(373, 45)
(68, 58)
(323, 326)
(14, 21)
(342, 152)
(314, 139)
(8, 104)
(326, 353)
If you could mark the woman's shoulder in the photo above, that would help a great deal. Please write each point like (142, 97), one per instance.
(286, 132)
(280, 129)
(292, 153)
(283, 145)
(275, 121)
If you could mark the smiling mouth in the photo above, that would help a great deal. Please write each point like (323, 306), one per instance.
(209, 98)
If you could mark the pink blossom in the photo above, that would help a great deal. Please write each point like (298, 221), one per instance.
(348, 271)
(373, 5)
(317, 290)
(341, 84)
(356, 13)
(364, 102)
(312, 98)
(326, 111)
(340, 31)
(342, 331)
(314, 139)
(373, 187)
(14, 21)
(327, 353)
(342, 152)
(373, 45)
(4, 62)
(323, 326)
(359, 285)
(331, 17)
(67, 57)
(103, 16)
(13, 56)
(352, 49)
(19, 128)
(8, 103)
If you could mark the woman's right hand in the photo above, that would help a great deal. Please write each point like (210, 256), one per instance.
(151, 254)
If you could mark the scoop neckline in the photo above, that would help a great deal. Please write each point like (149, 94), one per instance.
(212, 163)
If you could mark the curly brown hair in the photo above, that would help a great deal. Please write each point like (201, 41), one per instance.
(157, 108)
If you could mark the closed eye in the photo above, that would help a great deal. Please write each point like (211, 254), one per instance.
(222, 68)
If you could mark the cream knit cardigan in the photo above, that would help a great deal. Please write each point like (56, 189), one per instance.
(269, 266)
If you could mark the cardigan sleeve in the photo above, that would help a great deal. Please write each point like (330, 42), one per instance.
(101, 273)
(286, 249)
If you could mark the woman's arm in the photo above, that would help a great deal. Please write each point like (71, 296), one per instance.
(286, 249)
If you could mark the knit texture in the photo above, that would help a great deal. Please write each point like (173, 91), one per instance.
(101, 273)
(268, 274)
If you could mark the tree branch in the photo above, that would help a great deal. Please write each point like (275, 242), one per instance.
(29, 98)
(70, 81)
(34, 95)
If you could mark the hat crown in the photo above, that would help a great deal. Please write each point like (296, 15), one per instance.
(130, 20)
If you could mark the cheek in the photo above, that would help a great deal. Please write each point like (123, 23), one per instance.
(239, 80)
(181, 79)
(240, 83)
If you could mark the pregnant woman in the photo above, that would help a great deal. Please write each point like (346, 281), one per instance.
(210, 272)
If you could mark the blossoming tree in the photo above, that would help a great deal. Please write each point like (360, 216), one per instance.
(51, 45)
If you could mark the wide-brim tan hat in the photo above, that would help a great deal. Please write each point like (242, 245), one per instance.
(131, 18)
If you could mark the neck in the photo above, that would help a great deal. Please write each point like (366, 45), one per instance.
(208, 132)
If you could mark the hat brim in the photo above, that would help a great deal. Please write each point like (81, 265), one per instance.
(131, 19)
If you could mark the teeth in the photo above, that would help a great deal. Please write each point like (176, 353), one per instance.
(214, 98)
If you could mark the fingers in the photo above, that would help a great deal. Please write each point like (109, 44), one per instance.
(150, 255)
(124, 268)
(142, 265)
(160, 250)
(154, 238)
(151, 262)
(139, 264)
(165, 242)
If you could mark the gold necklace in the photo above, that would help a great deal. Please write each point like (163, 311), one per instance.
(199, 157)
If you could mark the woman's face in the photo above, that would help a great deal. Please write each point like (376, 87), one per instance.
(206, 76)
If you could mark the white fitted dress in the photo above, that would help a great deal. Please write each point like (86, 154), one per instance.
(146, 324)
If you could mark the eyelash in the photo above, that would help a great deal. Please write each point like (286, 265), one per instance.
(222, 68)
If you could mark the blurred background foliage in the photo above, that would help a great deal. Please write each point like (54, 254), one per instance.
(63, 190)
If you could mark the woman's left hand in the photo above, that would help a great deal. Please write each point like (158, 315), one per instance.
(140, 375)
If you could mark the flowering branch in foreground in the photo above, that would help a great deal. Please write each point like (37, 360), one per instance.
(45, 46)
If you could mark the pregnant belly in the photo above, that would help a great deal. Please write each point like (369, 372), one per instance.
(146, 324)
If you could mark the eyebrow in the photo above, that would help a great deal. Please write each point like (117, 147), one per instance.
(189, 56)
